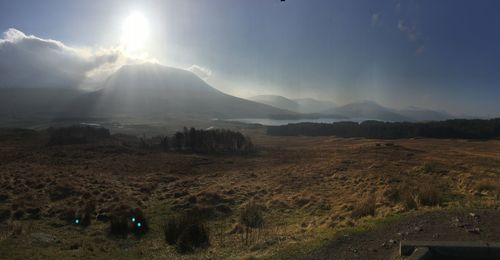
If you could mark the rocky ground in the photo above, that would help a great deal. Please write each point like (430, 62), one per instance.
(383, 242)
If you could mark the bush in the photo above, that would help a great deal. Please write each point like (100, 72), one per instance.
(364, 208)
(131, 221)
(409, 201)
(251, 217)
(119, 226)
(193, 236)
(139, 223)
(187, 232)
(429, 195)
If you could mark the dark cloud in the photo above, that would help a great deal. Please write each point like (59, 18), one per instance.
(29, 61)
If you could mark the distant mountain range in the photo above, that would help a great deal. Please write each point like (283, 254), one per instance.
(302, 105)
(156, 91)
(372, 110)
(357, 110)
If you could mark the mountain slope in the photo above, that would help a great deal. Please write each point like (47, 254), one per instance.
(152, 90)
(368, 110)
(419, 114)
(310, 105)
(277, 101)
(300, 105)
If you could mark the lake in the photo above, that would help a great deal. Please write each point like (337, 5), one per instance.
(267, 121)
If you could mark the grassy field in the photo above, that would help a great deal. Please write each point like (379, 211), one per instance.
(310, 189)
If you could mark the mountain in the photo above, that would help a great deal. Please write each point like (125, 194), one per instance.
(277, 101)
(372, 110)
(301, 105)
(152, 90)
(310, 105)
(368, 110)
(419, 114)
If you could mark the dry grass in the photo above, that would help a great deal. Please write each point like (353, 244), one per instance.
(487, 185)
(366, 207)
(309, 185)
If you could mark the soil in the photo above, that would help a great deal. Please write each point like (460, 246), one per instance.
(383, 242)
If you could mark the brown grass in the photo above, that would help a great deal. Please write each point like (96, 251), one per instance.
(364, 208)
(306, 183)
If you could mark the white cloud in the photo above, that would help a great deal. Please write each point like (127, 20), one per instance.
(376, 19)
(201, 72)
(30, 61)
(409, 30)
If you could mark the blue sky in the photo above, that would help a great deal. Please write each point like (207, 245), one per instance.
(432, 54)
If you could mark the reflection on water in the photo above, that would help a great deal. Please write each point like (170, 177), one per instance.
(265, 121)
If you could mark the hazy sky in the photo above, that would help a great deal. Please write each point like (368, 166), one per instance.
(433, 54)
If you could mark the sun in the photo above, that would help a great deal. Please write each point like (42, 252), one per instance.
(135, 32)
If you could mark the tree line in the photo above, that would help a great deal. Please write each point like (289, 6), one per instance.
(207, 141)
(455, 128)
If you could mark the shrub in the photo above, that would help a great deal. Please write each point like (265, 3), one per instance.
(409, 201)
(364, 208)
(139, 223)
(251, 217)
(124, 222)
(187, 232)
(429, 195)
(194, 235)
(119, 226)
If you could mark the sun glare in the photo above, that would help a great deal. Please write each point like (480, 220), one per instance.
(135, 32)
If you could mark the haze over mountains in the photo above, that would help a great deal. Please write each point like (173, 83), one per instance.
(302, 105)
(358, 110)
(156, 91)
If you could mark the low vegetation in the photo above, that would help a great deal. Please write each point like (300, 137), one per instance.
(125, 222)
(251, 217)
(364, 208)
(312, 188)
(187, 232)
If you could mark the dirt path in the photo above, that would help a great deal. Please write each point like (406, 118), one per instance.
(383, 242)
